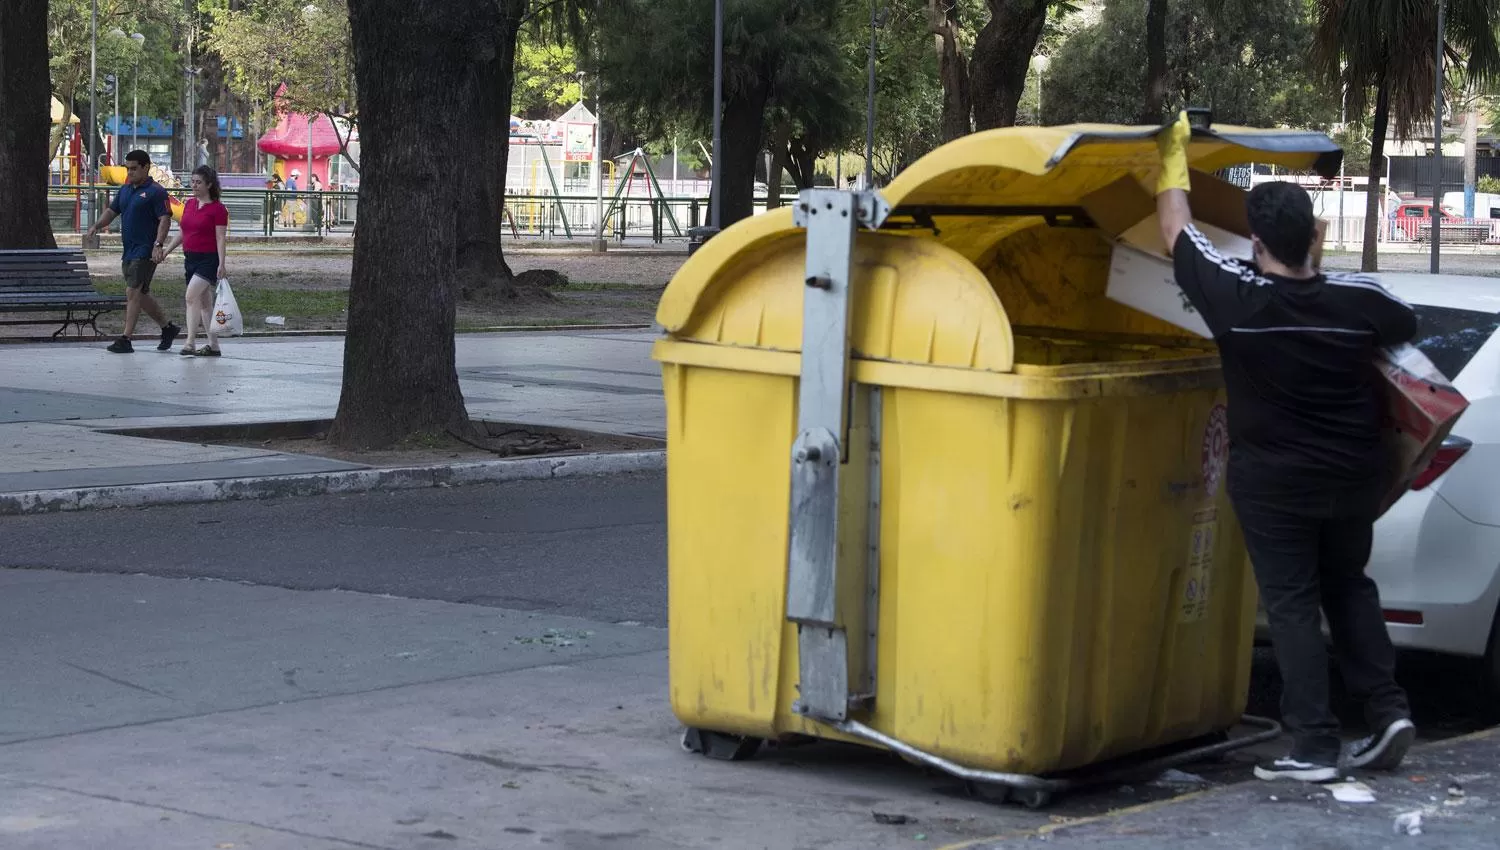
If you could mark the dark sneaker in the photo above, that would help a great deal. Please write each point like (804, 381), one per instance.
(188, 350)
(1294, 768)
(209, 352)
(1384, 751)
(121, 346)
(168, 333)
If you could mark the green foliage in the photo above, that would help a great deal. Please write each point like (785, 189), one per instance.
(546, 77)
(1389, 45)
(302, 43)
(151, 69)
(1245, 59)
(656, 61)
(1489, 184)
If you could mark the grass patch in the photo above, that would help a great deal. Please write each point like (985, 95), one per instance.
(255, 303)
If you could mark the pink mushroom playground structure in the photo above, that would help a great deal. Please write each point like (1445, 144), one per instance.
(288, 142)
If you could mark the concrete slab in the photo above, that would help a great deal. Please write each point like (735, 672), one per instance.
(168, 713)
(38, 447)
(598, 381)
(18, 405)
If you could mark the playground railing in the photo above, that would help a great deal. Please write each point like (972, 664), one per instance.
(272, 213)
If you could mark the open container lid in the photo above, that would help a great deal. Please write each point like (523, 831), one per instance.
(977, 191)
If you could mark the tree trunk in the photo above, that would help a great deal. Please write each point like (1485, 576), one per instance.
(414, 63)
(744, 123)
(802, 162)
(66, 87)
(25, 115)
(1374, 195)
(953, 70)
(1156, 62)
(1002, 55)
(481, 260)
(781, 136)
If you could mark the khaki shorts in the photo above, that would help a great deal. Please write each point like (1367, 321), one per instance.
(138, 274)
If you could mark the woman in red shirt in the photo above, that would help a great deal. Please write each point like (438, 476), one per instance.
(203, 235)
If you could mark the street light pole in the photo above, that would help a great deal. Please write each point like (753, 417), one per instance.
(870, 106)
(93, 110)
(135, 92)
(716, 202)
(600, 243)
(1437, 146)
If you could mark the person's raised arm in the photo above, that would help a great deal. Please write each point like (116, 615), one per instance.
(1173, 211)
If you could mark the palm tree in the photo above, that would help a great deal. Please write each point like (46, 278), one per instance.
(1386, 47)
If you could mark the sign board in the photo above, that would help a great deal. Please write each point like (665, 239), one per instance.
(578, 142)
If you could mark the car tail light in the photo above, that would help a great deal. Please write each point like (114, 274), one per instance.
(1403, 618)
(1449, 453)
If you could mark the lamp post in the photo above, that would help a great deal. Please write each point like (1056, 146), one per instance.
(600, 243)
(1039, 64)
(135, 91)
(93, 114)
(877, 20)
(1437, 146)
(716, 189)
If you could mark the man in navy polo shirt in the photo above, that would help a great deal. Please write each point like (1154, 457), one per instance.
(145, 217)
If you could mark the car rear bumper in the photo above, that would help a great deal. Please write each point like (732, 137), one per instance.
(1439, 577)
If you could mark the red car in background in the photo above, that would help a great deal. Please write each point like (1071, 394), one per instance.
(1412, 222)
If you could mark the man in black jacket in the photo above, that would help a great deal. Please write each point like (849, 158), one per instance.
(1307, 467)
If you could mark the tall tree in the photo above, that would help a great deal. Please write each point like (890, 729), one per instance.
(1389, 49)
(780, 56)
(1156, 61)
(416, 66)
(1002, 56)
(301, 45)
(25, 113)
(1244, 59)
(953, 69)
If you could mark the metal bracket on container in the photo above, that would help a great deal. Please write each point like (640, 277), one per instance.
(831, 218)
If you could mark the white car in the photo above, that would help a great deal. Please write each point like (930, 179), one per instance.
(1437, 551)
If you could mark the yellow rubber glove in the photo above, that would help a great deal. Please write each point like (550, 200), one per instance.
(1172, 143)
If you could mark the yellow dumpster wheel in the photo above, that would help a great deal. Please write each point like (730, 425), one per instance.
(1033, 792)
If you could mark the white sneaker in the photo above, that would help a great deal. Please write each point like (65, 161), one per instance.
(1291, 768)
(1384, 751)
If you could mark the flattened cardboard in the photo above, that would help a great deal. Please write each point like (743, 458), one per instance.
(1421, 407)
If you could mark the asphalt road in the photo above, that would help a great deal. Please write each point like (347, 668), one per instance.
(589, 547)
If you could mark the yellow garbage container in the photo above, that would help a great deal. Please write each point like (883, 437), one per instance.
(1028, 562)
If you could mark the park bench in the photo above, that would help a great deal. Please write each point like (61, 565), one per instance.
(52, 281)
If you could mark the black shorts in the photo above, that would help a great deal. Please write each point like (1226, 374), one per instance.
(138, 274)
(201, 264)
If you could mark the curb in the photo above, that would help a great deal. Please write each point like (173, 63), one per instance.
(326, 483)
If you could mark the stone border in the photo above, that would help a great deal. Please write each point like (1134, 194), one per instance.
(323, 483)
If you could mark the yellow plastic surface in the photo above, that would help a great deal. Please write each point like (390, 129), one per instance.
(1044, 506)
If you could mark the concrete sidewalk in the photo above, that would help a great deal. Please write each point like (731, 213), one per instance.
(58, 401)
(1452, 788)
(166, 713)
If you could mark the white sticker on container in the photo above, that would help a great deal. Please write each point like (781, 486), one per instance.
(1215, 449)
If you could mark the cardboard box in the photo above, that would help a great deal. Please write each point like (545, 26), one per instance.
(1421, 407)
(1141, 275)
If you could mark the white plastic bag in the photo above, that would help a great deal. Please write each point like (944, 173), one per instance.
(227, 320)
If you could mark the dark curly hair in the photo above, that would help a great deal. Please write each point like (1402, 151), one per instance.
(210, 179)
(1281, 214)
